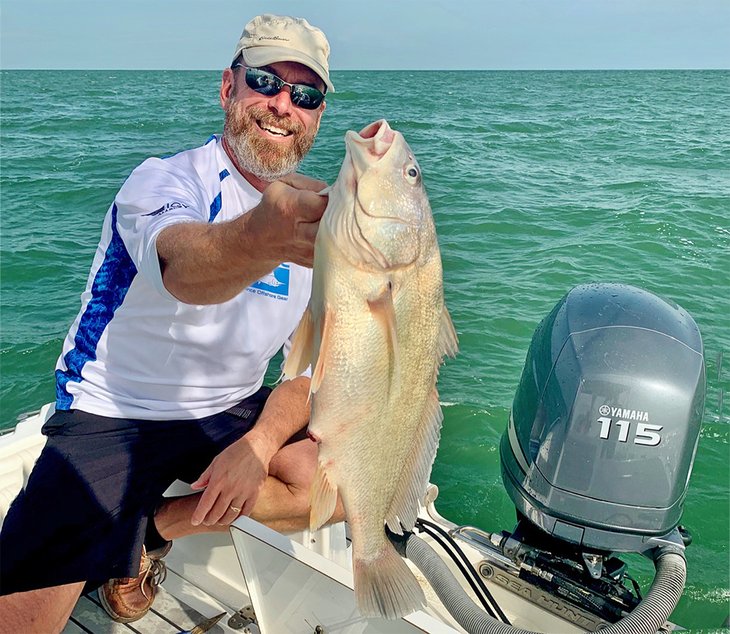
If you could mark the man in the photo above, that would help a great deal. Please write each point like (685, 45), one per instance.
(201, 276)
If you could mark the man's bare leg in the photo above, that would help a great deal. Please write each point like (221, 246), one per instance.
(44, 611)
(282, 505)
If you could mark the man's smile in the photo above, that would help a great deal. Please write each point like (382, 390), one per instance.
(272, 129)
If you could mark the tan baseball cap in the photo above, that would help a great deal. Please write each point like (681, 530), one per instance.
(268, 39)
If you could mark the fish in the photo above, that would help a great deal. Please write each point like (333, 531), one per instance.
(374, 334)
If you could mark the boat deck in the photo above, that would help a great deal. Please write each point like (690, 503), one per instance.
(169, 615)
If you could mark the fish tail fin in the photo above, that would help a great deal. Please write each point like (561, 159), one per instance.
(385, 587)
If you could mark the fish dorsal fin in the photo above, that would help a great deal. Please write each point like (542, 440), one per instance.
(448, 342)
(322, 352)
(322, 498)
(300, 355)
(416, 469)
(383, 310)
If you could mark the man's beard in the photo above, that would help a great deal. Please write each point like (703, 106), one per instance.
(254, 153)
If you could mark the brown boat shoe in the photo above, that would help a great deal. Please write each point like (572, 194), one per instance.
(130, 598)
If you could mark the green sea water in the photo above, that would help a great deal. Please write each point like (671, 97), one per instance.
(539, 181)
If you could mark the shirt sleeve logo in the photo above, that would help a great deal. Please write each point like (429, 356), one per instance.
(167, 207)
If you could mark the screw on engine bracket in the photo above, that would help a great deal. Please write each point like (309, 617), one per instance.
(244, 618)
(319, 630)
(593, 564)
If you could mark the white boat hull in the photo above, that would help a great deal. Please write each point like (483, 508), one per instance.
(292, 583)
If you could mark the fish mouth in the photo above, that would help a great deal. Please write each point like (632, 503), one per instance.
(375, 139)
(382, 136)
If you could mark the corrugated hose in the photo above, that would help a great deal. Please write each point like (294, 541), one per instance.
(646, 618)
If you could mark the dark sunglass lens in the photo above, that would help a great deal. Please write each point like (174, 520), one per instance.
(306, 97)
(263, 82)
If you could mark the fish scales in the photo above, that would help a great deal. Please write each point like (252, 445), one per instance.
(375, 332)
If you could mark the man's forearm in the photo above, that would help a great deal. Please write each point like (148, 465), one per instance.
(210, 264)
(286, 412)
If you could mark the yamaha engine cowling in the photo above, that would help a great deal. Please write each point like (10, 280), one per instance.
(606, 419)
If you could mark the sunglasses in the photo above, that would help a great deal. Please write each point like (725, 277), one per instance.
(268, 84)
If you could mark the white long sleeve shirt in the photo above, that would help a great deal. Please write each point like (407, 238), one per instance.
(134, 351)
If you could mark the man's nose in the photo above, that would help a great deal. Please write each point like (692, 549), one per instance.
(281, 103)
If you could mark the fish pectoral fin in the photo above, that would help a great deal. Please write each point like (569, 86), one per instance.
(322, 498)
(300, 355)
(448, 342)
(383, 310)
(416, 469)
(323, 352)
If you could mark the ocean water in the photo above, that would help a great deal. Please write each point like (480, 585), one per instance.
(539, 181)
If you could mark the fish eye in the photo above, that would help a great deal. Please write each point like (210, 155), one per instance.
(412, 173)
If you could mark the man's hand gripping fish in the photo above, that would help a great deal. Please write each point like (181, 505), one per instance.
(375, 332)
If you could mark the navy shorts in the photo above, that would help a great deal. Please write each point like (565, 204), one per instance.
(83, 514)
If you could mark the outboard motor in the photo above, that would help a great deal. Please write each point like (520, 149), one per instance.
(606, 419)
(596, 457)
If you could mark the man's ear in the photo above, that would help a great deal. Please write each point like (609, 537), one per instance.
(227, 86)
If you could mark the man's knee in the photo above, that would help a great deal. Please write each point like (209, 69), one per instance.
(295, 464)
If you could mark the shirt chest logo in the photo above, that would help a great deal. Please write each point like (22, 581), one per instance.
(274, 284)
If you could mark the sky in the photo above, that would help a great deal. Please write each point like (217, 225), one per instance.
(373, 34)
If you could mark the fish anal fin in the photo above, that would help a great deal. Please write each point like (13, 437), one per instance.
(385, 587)
(300, 355)
(416, 469)
(322, 498)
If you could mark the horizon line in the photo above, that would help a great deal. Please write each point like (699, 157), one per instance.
(399, 70)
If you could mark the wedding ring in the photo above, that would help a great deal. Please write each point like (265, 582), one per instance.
(234, 508)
